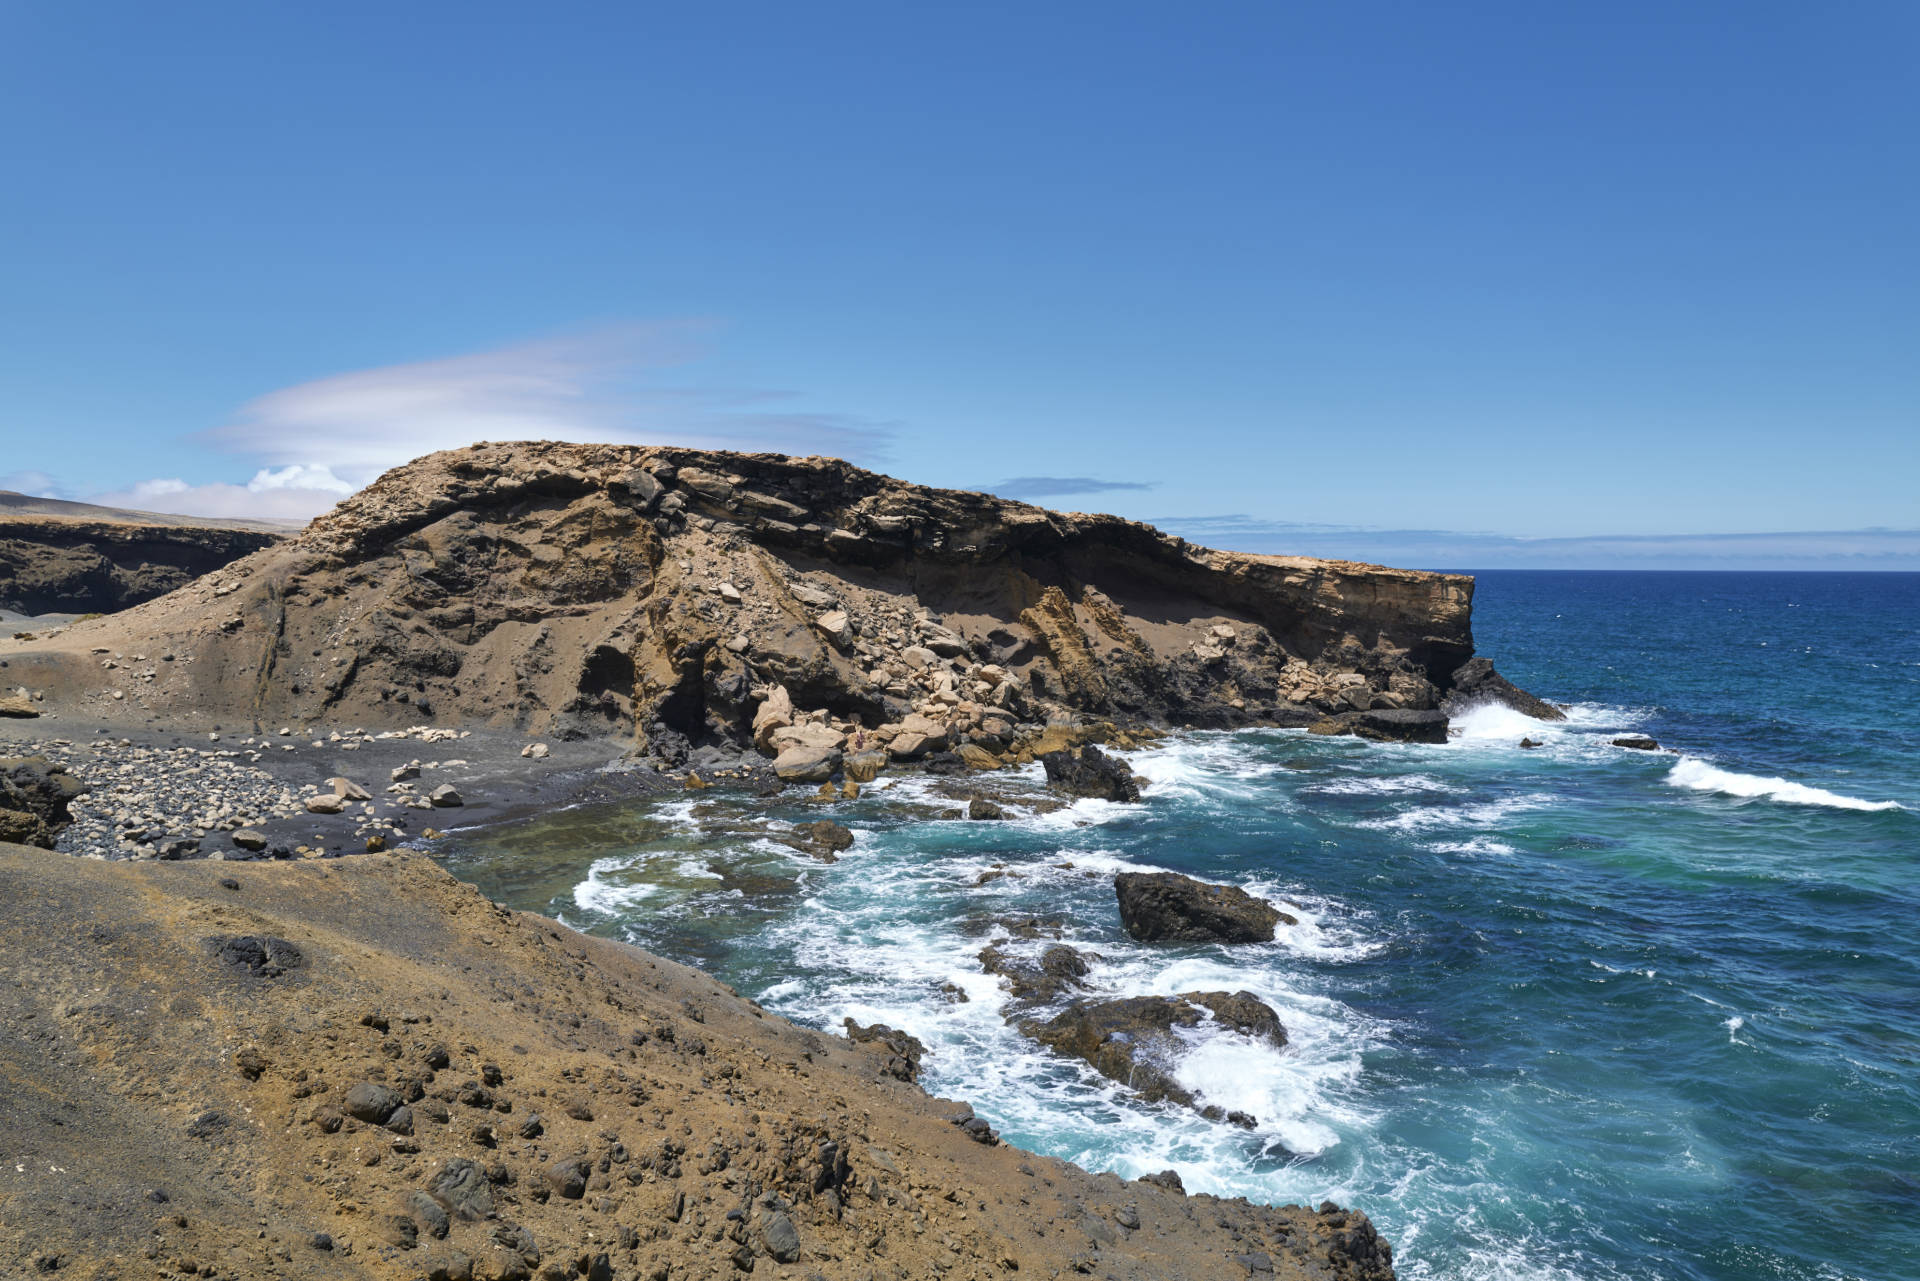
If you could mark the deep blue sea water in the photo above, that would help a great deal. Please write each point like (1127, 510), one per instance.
(1574, 1012)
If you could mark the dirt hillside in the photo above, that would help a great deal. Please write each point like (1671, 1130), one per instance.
(365, 1069)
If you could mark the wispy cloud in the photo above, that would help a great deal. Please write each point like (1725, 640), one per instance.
(318, 441)
(1873, 549)
(36, 484)
(1061, 486)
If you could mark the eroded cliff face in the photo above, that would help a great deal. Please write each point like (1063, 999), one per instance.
(60, 565)
(663, 592)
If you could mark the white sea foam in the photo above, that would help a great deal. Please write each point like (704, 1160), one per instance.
(1382, 785)
(1495, 723)
(1695, 775)
(1485, 814)
(599, 893)
(1477, 847)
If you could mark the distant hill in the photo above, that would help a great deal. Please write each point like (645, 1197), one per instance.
(13, 504)
(58, 557)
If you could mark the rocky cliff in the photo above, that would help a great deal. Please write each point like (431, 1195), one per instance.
(71, 558)
(673, 594)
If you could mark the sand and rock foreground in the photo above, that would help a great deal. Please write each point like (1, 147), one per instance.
(364, 1068)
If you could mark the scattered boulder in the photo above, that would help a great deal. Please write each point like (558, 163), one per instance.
(248, 839)
(445, 796)
(807, 764)
(17, 708)
(260, 955)
(1166, 907)
(1088, 771)
(463, 1190)
(325, 803)
(775, 713)
(1638, 742)
(837, 628)
(982, 809)
(864, 767)
(782, 1240)
(371, 1102)
(568, 1178)
(348, 790)
(1058, 970)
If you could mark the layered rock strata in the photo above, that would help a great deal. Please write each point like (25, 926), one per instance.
(822, 613)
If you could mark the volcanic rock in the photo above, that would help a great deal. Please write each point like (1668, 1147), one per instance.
(1131, 1040)
(1165, 907)
(1475, 681)
(1088, 771)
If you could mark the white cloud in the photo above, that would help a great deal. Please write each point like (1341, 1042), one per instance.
(316, 442)
(596, 387)
(35, 484)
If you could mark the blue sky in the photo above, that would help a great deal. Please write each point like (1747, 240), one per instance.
(1573, 284)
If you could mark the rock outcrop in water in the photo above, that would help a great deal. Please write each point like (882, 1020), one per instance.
(72, 558)
(665, 593)
(1131, 1039)
(366, 1070)
(1165, 907)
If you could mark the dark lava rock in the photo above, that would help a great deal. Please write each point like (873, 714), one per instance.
(1244, 1013)
(904, 1051)
(1400, 725)
(783, 1241)
(1168, 1179)
(568, 1178)
(1528, 742)
(1059, 969)
(260, 955)
(428, 1214)
(1475, 681)
(977, 1129)
(1638, 742)
(1088, 771)
(371, 1102)
(982, 809)
(1131, 1040)
(1167, 907)
(463, 1190)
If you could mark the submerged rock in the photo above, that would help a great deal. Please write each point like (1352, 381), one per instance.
(1131, 1040)
(1165, 907)
(1638, 742)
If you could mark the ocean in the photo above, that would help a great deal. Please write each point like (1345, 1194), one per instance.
(1556, 1013)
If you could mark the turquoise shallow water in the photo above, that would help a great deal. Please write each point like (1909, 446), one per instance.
(1572, 1012)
